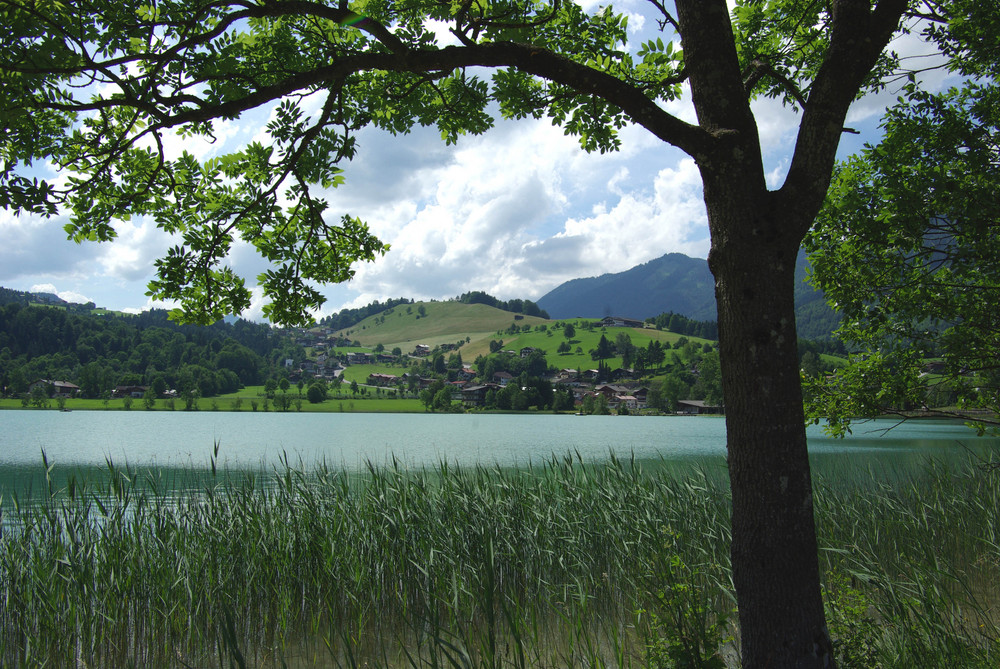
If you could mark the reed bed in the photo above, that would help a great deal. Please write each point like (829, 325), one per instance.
(562, 565)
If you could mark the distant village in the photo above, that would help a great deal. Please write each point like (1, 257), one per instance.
(116, 360)
(619, 391)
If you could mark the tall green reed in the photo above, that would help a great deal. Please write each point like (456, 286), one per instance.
(565, 564)
(913, 566)
(445, 567)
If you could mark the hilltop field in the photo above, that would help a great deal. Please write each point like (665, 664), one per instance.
(436, 323)
(476, 325)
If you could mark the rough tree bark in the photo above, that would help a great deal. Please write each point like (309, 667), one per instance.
(755, 238)
(774, 549)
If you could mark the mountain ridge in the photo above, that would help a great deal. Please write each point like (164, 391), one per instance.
(674, 283)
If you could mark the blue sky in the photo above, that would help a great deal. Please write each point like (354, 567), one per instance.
(514, 212)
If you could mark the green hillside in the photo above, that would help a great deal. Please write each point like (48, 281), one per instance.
(452, 322)
(584, 339)
(441, 323)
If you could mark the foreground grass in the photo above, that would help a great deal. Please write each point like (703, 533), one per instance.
(563, 566)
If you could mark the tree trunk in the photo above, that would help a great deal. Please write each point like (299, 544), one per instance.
(774, 550)
(755, 240)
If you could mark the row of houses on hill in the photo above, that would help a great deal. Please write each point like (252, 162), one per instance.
(617, 397)
(618, 322)
(473, 394)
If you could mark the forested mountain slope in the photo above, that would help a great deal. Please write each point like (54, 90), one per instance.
(98, 352)
(673, 283)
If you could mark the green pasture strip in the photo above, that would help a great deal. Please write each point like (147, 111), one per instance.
(360, 373)
(77, 403)
(368, 404)
(345, 402)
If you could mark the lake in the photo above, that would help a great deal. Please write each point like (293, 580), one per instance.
(84, 440)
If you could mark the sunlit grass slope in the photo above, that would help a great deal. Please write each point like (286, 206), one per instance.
(441, 323)
(453, 322)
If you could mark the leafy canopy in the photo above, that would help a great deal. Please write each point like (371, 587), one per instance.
(109, 91)
(908, 247)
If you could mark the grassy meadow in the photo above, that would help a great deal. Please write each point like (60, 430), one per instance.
(441, 323)
(566, 565)
(235, 402)
(453, 322)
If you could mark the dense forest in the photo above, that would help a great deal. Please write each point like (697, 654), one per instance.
(685, 326)
(99, 352)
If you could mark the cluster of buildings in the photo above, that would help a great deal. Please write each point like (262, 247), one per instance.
(466, 388)
(65, 389)
(472, 394)
(59, 388)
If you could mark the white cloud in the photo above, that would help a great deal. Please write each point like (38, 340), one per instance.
(131, 255)
(256, 310)
(33, 244)
(636, 22)
(73, 296)
(518, 214)
(37, 256)
(68, 295)
(470, 211)
(635, 229)
(442, 33)
(515, 212)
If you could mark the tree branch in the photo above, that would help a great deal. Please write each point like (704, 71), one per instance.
(340, 15)
(526, 58)
(858, 37)
(760, 68)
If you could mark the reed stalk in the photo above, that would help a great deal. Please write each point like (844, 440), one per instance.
(565, 564)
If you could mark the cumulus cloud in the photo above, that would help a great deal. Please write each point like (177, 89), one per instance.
(73, 296)
(460, 217)
(519, 212)
(37, 256)
(131, 255)
(636, 228)
(515, 212)
(146, 305)
(34, 245)
(68, 295)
